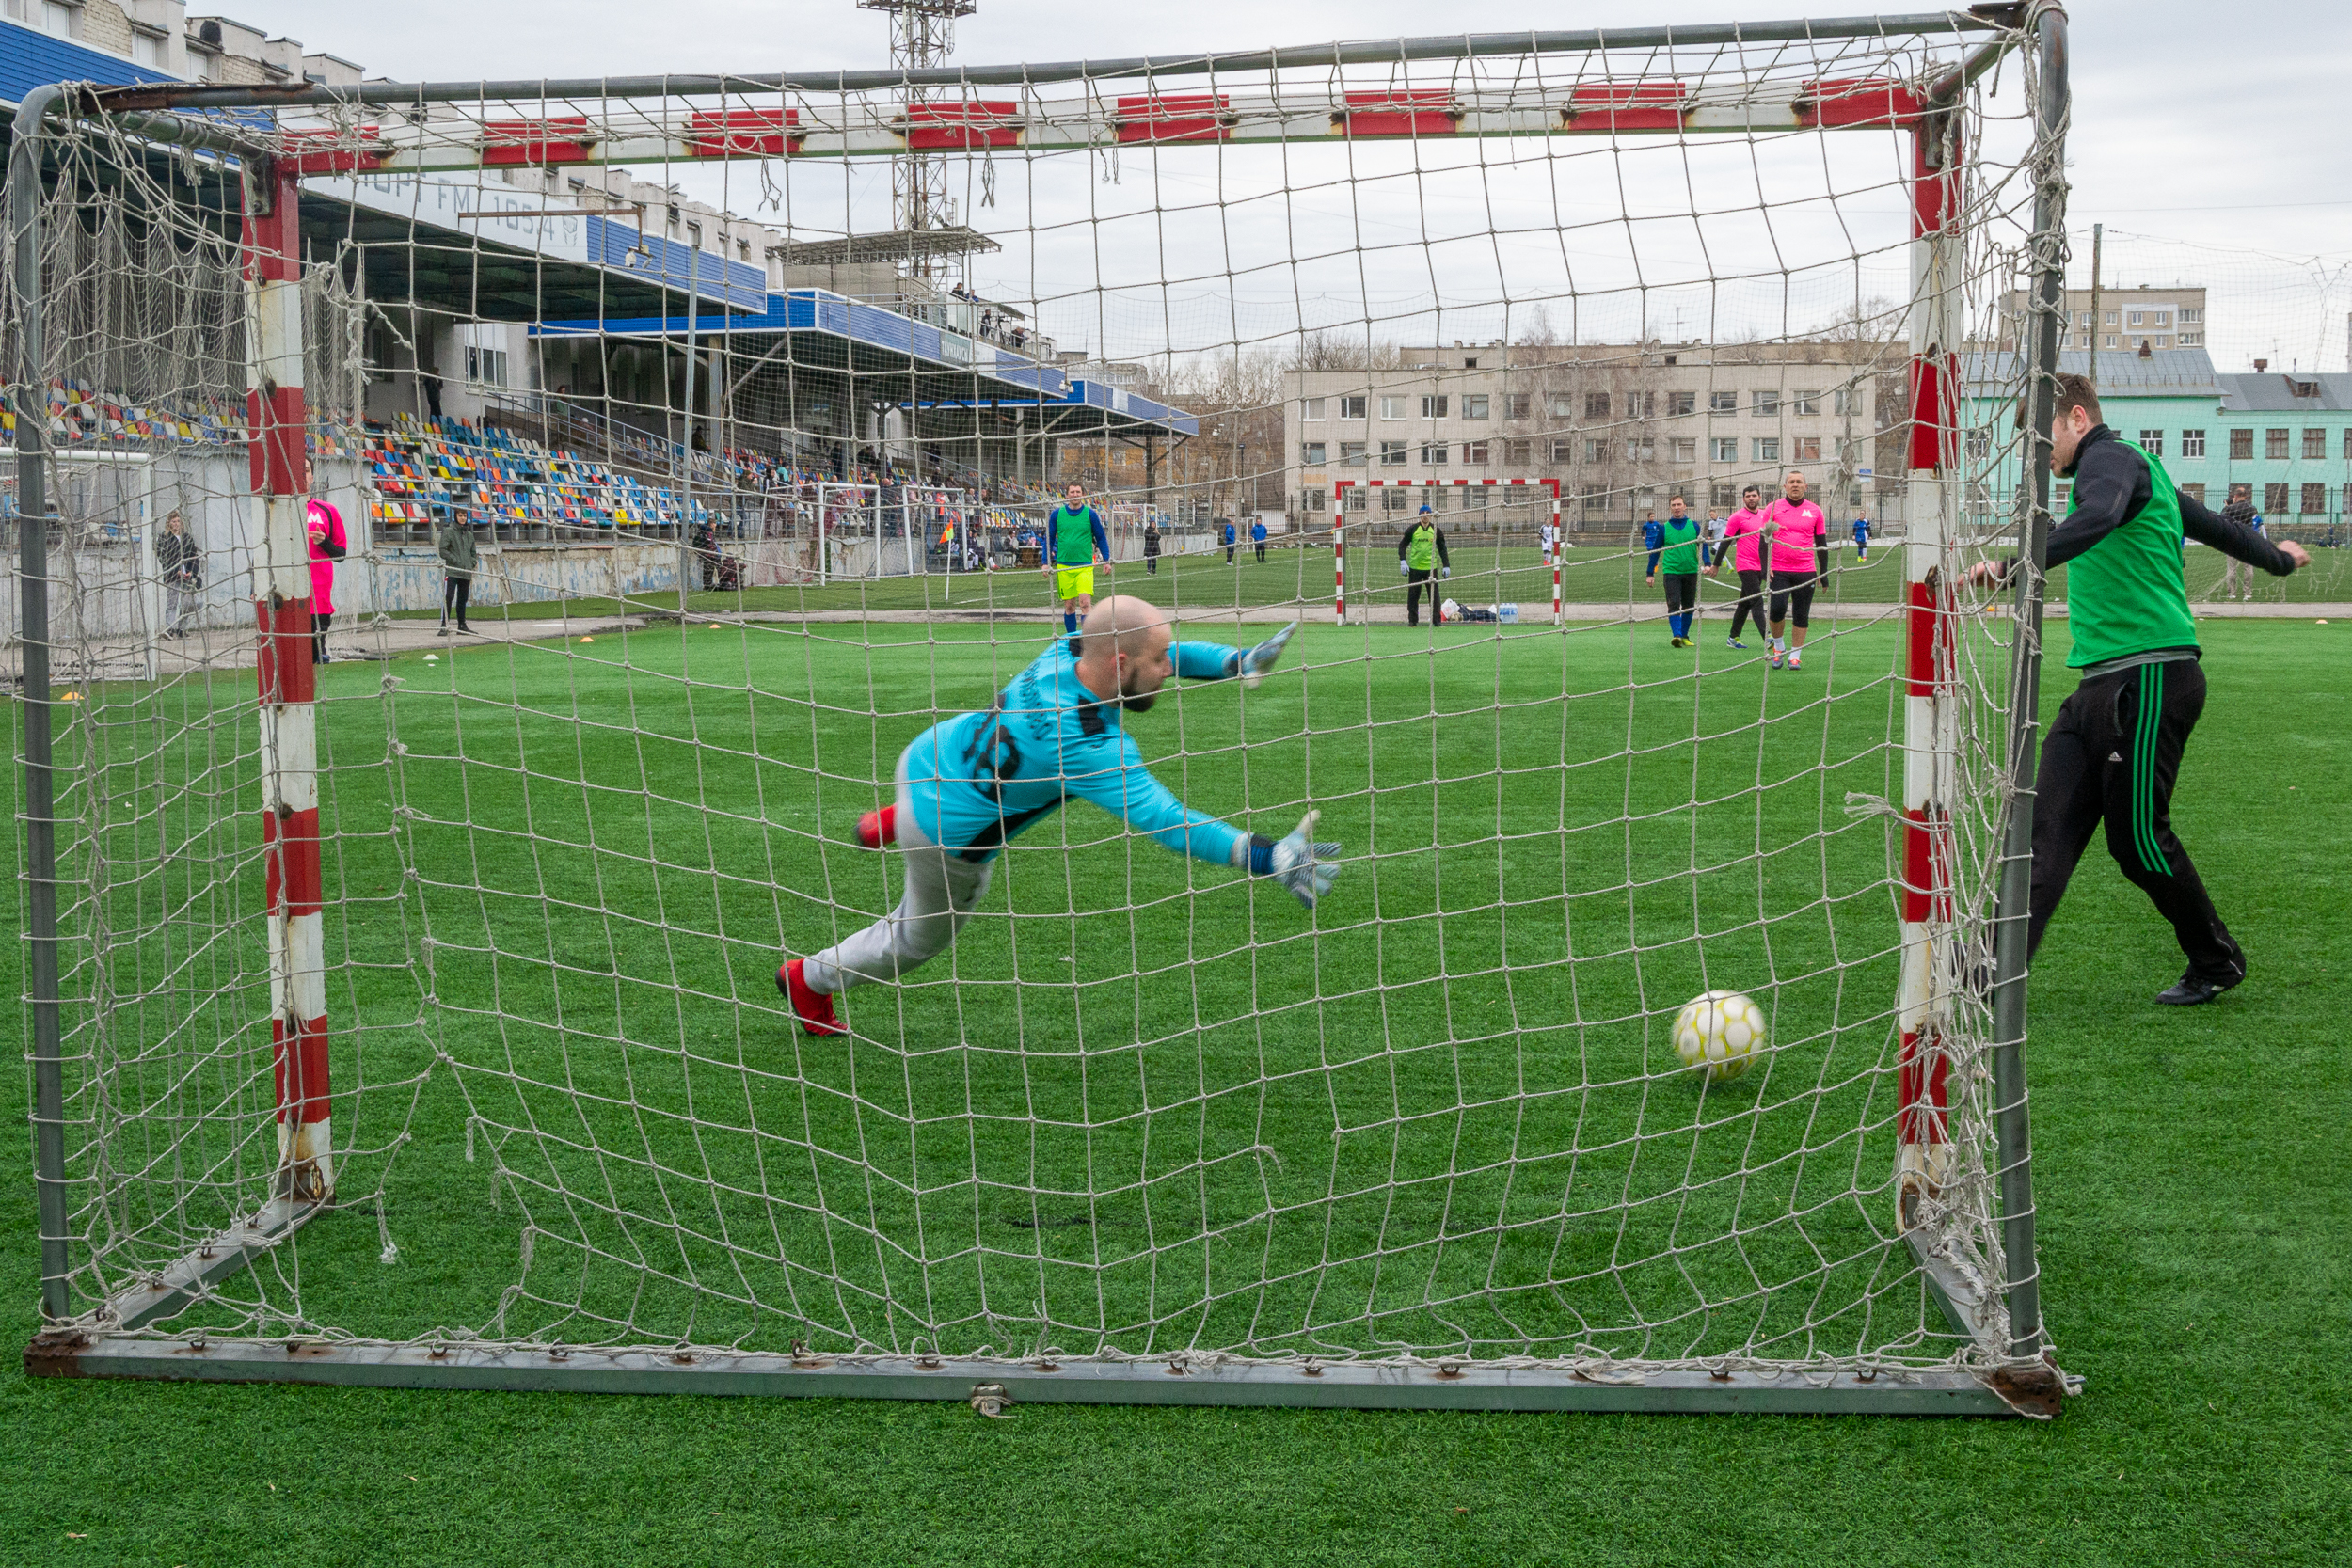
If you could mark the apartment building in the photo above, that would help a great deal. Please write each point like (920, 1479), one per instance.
(2121, 320)
(1621, 427)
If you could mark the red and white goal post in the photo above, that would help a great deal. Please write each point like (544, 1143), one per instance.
(125, 1245)
(1489, 492)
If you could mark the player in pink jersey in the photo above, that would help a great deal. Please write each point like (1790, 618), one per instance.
(1797, 530)
(1743, 547)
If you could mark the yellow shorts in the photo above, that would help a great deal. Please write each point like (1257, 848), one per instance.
(1072, 582)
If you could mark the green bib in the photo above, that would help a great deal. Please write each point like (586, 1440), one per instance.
(1420, 546)
(2125, 595)
(1680, 538)
(1074, 537)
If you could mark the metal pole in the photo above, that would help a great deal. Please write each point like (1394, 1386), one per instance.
(2098, 236)
(2011, 924)
(686, 441)
(40, 827)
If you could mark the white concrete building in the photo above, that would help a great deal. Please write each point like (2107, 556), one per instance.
(1621, 427)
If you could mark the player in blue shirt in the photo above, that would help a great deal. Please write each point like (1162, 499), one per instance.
(1861, 538)
(969, 785)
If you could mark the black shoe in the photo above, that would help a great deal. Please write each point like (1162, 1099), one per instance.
(2193, 990)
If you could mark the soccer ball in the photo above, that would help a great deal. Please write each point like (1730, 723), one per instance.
(1720, 1035)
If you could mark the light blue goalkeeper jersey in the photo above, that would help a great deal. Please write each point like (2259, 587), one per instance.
(981, 779)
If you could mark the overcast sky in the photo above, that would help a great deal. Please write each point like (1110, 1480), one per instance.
(2199, 124)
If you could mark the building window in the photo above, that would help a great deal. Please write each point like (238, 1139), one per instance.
(1724, 449)
(2192, 315)
(1766, 405)
(1469, 364)
(485, 367)
(2062, 497)
(2275, 444)
(2152, 442)
(2192, 443)
(1392, 454)
(1351, 454)
(2275, 499)
(1518, 454)
(1394, 498)
(1355, 494)
(2315, 444)
(1474, 406)
(63, 21)
(1768, 449)
(1517, 405)
(1640, 450)
(2109, 321)
(1720, 496)
(148, 49)
(1311, 454)
(1435, 497)
(1807, 403)
(1433, 409)
(1433, 454)
(1596, 406)
(2347, 500)
(1686, 448)
(1679, 404)
(1640, 405)
(2139, 318)
(2110, 342)
(2314, 500)
(1311, 411)
(2195, 493)
(2241, 446)
(1474, 498)
(2192, 340)
(1475, 452)
(1646, 500)
(1391, 408)
(1563, 451)
(2083, 319)
(1351, 407)
(1592, 498)
(1313, 500)
(1807, 448)
(1979, 446)
(2347, 443)
(1723, 402)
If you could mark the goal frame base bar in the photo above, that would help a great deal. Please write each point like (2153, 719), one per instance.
(71, 1353)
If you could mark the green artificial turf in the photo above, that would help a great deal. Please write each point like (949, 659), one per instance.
(1485, 951)
(1202, 584)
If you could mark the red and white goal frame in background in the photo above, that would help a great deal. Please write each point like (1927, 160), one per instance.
(1463, 486)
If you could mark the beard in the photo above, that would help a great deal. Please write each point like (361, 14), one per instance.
(1136, 702)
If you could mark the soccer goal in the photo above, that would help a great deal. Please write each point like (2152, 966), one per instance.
(403, 1005)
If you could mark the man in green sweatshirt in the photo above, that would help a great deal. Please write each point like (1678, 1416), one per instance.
(2114, 752)
(1677, 560)
(1419, 554)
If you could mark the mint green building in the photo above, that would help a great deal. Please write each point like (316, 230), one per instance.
(2287, 438)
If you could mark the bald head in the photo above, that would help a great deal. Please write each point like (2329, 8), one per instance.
(1122, 650)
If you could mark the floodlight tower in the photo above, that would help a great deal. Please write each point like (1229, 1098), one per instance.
(922, 36)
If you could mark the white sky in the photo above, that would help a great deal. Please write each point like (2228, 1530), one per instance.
(2214, 140)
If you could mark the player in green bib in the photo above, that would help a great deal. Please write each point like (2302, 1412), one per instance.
(1075, 541)
(1679, 563)
(2114, 750)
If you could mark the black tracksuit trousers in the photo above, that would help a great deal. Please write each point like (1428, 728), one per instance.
(2112, 756)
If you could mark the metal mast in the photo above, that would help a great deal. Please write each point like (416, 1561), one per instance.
(922, 36)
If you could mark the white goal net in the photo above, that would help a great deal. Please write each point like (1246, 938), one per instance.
(418, 1008)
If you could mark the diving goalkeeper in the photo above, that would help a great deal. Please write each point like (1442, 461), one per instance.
(969, 785)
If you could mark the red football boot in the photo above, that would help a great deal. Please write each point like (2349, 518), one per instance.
(878, 828)
(813, 1008)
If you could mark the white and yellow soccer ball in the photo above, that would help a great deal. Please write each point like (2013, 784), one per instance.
(1720, 1035)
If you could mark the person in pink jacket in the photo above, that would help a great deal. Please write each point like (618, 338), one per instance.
(1797, 530)
(1743, 547)
(325, 528)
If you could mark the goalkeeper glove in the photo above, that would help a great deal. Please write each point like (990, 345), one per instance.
(1256, 661)
(1401, 567)
(1299, 863)
(1444, 572)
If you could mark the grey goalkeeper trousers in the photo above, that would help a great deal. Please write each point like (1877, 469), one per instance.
(943, 888)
